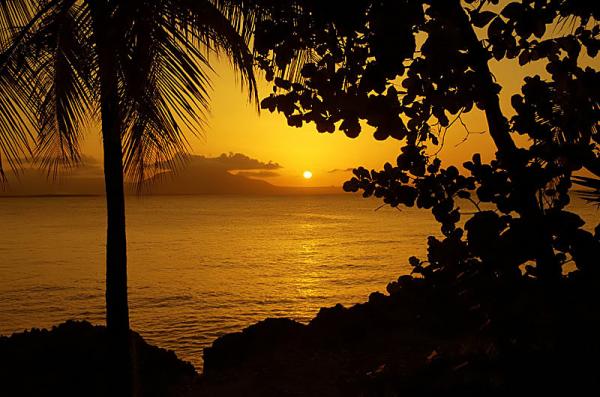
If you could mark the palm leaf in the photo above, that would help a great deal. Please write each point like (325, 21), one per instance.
(48, 64)
(591, 195)
(165, 67)
(164, 86)
(16, 118)
(221, 26)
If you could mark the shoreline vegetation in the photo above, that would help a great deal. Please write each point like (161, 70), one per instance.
(420, 339)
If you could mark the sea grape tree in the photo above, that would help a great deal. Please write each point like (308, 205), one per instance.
(409, 69)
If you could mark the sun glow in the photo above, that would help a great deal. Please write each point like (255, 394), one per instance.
(307, 174)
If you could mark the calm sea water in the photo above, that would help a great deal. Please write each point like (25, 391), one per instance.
(203, 266)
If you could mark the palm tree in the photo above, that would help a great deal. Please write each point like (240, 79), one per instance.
(137, 66)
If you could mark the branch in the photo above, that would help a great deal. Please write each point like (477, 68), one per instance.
(443, 140)
(468, 132)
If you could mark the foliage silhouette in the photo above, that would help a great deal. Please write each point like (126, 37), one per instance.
(410, 69)
(522, 265)
(139, 67)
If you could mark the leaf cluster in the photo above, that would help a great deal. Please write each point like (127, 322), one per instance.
(406, 68)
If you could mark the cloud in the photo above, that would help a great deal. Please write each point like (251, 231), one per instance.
(232, 162)
(258, 174)
(224, 162)
(335, 170)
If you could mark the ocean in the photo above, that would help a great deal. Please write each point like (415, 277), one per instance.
(203, 266)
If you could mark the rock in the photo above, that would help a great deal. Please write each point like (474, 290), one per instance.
(72, 359)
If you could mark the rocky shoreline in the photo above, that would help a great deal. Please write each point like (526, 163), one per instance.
(72, 359)
(417, 341)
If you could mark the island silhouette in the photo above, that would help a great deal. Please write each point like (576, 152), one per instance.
(232, 173)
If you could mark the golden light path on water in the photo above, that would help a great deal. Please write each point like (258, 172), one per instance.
(200, 267)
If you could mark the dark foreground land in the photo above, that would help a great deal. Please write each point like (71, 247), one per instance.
(417, 341)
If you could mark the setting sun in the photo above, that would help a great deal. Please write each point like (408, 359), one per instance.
(307, 174)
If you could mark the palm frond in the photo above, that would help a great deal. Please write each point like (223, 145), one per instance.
(163, 88)
(16, 115)
(591, 195)
(13, 14)
(16, 120)
(219, 26)
(62, 74)
(165, 82)
(49, 65)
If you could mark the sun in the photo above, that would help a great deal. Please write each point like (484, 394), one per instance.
(307, 174)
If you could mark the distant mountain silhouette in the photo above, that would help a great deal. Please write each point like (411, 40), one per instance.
(206, 175)
(33, 182)
(200, 175)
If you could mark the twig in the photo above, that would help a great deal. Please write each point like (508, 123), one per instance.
(468, 132)
(475, 204)
(446, 130)
(383, 205)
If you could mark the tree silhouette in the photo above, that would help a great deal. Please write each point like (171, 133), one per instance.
(521, 273)
(138, 66)
(410, 69)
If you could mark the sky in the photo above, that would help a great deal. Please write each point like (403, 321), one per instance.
(236, 126)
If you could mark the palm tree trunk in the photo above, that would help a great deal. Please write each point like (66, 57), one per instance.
(547, 265)
(117, 310)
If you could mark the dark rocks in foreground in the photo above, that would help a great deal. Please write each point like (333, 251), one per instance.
(419, 341)
(72, 360)
(341, 352)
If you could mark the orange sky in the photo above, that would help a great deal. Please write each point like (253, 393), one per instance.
(235, 126)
